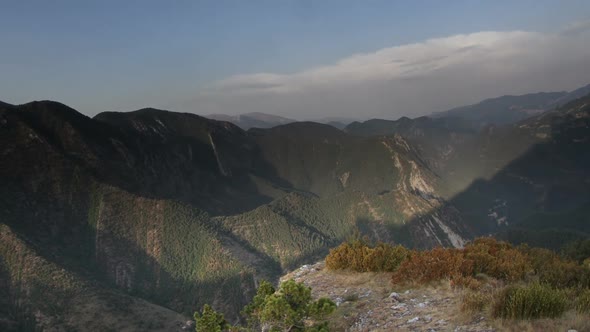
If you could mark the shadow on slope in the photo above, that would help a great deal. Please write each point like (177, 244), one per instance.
(122, 271)
(538, 189)
(152, 153)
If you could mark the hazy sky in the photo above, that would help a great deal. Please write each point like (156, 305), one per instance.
(301, 59)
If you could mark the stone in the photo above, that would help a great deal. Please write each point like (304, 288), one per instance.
(395, 296)
(189, 325)
(422, 305)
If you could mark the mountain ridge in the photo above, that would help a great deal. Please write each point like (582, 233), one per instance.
(141, 200)
(179, 210)
(252, 120)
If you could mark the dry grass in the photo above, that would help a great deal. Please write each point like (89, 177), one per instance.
(372, 310)
(570, 320)
(452, 310)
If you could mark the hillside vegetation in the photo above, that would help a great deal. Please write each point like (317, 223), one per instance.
(496, 279)
(178, 210)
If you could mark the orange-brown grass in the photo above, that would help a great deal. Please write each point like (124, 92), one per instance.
(426, 266)
(532, 275)
(487, 256)
(497, 259)
(360, 257)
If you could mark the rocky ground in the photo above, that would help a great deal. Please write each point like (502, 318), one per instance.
(368, 302)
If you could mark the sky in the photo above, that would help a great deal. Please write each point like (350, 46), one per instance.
(305, 59)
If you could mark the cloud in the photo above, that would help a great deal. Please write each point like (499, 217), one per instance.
(576, 27)
(413, 79)
(246, 84)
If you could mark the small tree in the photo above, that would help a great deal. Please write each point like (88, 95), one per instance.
(292, 307)
(210, 320)
(289, 309)
(252, 311)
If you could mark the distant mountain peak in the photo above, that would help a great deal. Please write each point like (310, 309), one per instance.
(509, 109)
(252, 119)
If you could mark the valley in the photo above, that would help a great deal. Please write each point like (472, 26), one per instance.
(161, 212)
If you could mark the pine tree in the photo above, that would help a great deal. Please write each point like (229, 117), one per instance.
(210, 320)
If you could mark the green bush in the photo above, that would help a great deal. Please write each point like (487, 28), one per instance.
(289, 309)
(385, 258)
(210, 320)
(252, 310)
(552, 269)
(530, 301)
(291, 306)
(577, 250)
(583, 302)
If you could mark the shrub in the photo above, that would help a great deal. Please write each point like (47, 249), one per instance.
(583, 302)
(484, 256)
(552, 269)
(321, 308)
(348, 255)
(497, 259)
(288, 309)
(252, 310)
(357, 256)
(432, 265)
(291, 306)
(210, 320)
(385, 258)
(577, 250)
(530, 301)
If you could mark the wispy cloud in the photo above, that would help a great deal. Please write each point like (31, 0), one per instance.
(414, 79)
(576, 27)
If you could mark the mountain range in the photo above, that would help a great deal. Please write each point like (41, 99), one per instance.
(254, 119)
(499, 111)
(265, 120)
(510, 109)
(142, 217)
